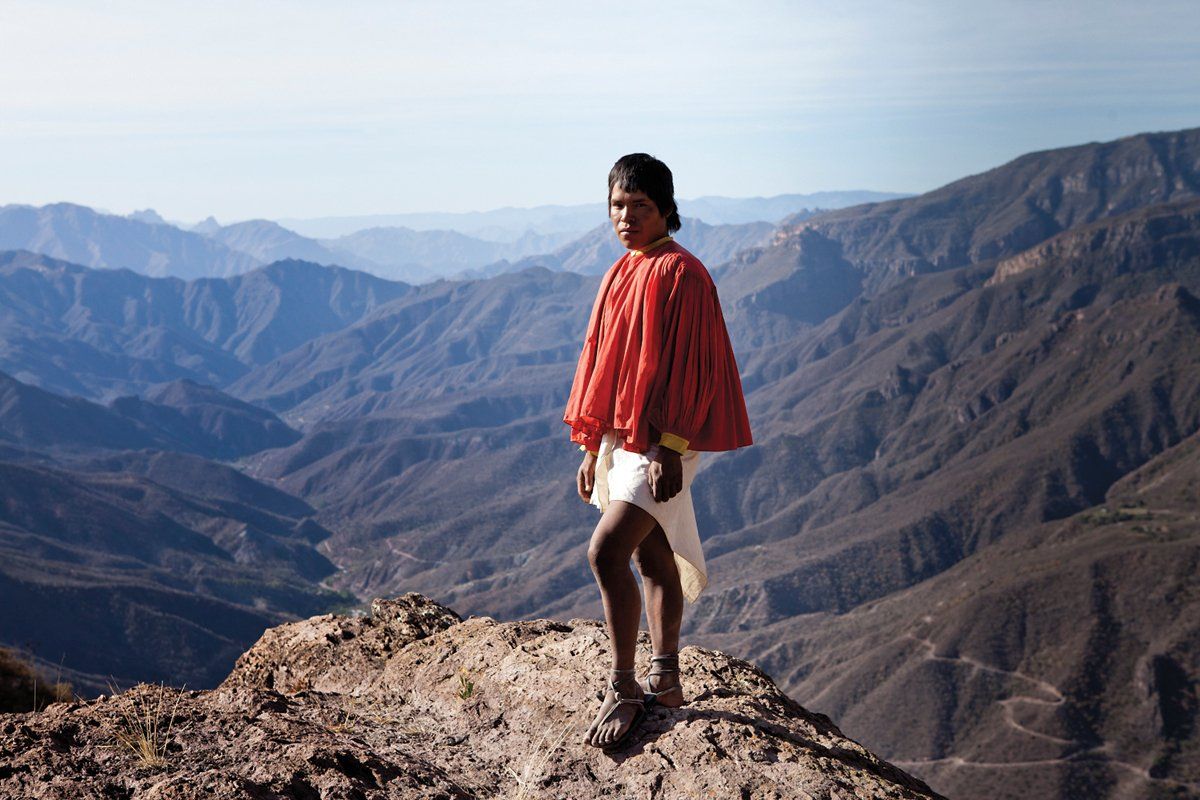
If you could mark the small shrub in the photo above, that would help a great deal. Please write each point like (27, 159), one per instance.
(466, 686)
(22, 689)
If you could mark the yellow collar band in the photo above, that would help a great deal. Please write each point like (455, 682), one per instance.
(654, 244)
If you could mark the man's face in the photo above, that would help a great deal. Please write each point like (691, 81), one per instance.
(636, 219)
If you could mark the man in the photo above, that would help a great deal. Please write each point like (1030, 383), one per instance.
(656, 384)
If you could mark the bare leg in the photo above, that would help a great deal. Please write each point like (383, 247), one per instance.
(664, 608)
(664, 595)
(621, 529)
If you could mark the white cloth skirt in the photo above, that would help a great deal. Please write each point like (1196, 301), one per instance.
(621, 475)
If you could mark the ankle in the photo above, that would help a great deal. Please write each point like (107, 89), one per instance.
(622, 676)
(665, 668)
(628, 688)
(663, 678)
(664, 662)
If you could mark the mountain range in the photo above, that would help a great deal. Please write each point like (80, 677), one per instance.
(146, 243)
(78, 234)
(967, 529)
(510, 224)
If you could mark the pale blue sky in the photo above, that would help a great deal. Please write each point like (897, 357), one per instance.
(274, 109)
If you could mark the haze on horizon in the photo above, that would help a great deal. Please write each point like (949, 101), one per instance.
(277, 109)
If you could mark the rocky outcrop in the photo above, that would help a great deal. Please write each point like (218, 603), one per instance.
(1151, 238)
(412, 702)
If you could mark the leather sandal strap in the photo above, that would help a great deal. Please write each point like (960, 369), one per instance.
(662, 665)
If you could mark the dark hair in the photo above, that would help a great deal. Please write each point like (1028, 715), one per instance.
(639, 172)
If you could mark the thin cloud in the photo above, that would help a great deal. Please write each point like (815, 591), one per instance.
(299, 108)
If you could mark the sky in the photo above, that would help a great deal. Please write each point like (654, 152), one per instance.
(306, 109)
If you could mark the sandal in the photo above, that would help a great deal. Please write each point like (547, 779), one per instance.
(665, 664)
(633, 723)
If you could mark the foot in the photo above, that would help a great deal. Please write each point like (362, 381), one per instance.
(662, 685)
(622, 708)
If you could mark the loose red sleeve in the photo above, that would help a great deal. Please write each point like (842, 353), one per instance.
(591, 381)
(692, 335)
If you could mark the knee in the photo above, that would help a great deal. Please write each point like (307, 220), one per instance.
(653, 562)
(604, 557)
(643, 560)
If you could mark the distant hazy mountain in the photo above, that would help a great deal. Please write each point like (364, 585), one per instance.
(598, 249)
(145, 242)
(423, 256)
(207, 226)
(445, 349)
(503, 224)
(737, 210)
(393, 253)
(105, 333)
(148, 215)
(805, 282)
(509, 224)
(181, 416)
(83, 236)
(268, 242)
(420, 256)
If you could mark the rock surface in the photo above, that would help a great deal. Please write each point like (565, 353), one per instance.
(413, 702)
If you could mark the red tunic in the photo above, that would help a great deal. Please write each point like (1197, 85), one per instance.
(657, 358)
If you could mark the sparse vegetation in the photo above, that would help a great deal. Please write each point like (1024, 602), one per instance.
(1107, 516)
(466, 686)
(345, 722)
(298, 684)
(358, 711)
(22, 689)
(144, 728)
(535, 765)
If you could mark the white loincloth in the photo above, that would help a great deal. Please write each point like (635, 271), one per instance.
(621, 475)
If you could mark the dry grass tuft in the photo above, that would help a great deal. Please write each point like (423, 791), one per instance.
(535, 765)
(144, 728)
(356, 713)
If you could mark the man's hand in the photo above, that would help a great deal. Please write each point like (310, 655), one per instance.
(665, 474)
(585, 479)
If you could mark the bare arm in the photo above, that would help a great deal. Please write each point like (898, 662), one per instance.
(665, 474)
(585, 478)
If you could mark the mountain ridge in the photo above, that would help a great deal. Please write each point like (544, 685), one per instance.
(79, 234)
